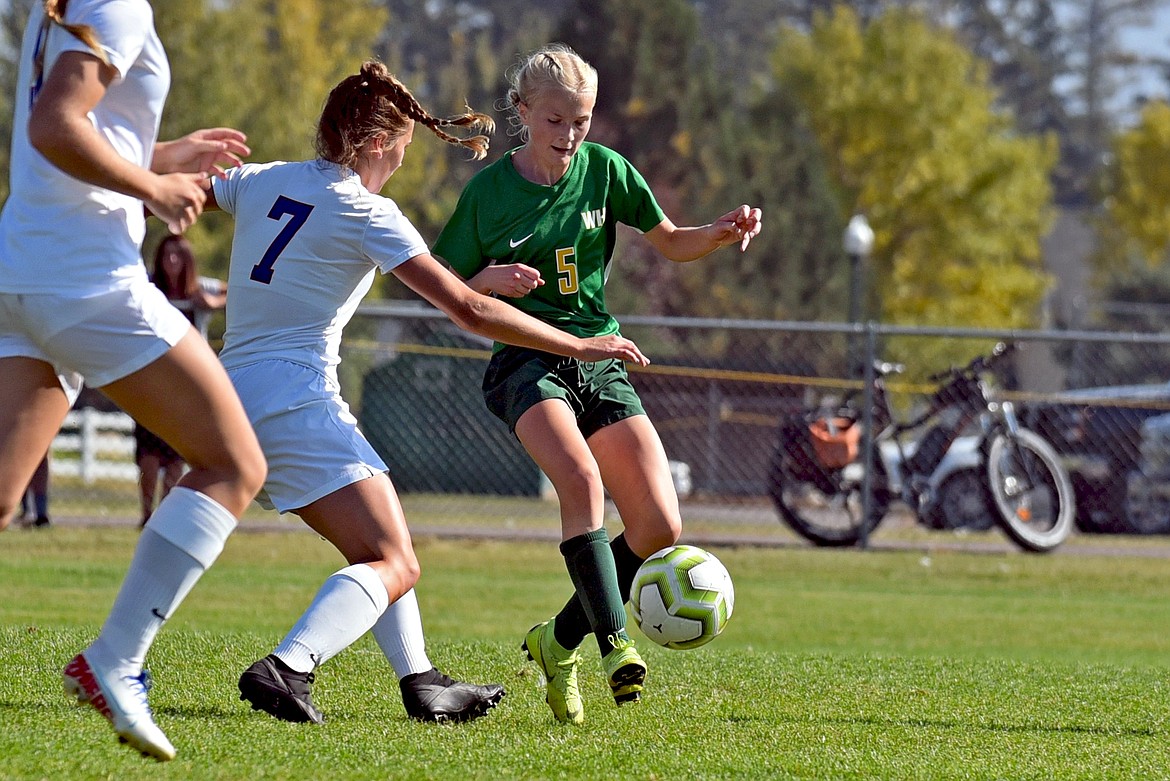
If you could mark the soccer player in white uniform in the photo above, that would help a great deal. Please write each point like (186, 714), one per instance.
(74, 297)
(309, 237)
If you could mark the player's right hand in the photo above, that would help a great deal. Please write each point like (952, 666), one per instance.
(514, 280)
(601, 348)
(178, 200)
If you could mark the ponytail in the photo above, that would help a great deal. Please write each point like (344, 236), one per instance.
(55, 13)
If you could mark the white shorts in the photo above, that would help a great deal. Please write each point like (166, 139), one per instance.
(103, 338)
(307, 433)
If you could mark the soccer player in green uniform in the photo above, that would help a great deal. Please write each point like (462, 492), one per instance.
(539, 227)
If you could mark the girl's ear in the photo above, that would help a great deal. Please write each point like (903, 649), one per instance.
(377, 145)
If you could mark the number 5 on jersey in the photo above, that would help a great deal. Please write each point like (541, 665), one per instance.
(566, 271)
(298, 213)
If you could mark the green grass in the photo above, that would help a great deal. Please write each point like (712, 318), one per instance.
(836, 664)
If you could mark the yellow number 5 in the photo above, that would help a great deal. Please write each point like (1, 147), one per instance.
(567, 269)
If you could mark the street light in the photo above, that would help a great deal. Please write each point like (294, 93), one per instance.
(858, 242)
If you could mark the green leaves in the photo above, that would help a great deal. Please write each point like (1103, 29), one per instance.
(1139, 201)
(957, 197)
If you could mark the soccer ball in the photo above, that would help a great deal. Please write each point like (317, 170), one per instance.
(682, 597)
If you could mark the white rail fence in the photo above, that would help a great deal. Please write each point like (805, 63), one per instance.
(95, 446)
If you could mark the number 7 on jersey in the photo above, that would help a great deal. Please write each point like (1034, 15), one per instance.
(298, 212)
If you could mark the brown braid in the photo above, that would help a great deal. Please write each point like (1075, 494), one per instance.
(374, 102)
(55, 12)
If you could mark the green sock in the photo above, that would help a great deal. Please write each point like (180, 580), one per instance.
(591, 567)
(572, 624)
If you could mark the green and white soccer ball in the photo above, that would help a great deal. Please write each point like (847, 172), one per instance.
(682, 597)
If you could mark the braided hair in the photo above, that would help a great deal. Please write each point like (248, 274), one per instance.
(55, 13)
(373, 102)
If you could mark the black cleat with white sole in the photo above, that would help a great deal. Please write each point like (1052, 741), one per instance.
(275, 688)
(433, 696)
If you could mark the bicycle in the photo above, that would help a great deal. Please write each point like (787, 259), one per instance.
(824, 466)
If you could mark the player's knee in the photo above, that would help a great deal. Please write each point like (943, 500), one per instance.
(647, 538)
(253, 470)
(399, 573)
(579, 486)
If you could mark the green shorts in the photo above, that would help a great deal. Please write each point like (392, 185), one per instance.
(599, 393)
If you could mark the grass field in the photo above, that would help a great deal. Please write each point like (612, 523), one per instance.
(896, 665)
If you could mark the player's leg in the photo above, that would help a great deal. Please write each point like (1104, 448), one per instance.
(427, 693)
(32, 407)
(636, 473)
(364, 521)
(185, 396)
(550, 433)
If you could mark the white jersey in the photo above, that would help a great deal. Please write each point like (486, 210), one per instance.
(58, 234)
(308, 237)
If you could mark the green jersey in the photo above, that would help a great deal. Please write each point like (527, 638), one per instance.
(566, 231)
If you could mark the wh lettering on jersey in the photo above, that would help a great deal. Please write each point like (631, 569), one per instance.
(594, 218)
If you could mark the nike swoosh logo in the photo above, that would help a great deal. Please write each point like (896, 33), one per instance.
(158, 615)
(514, 244)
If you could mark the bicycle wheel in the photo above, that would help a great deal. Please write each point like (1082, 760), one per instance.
(825, 509)
(1031, 489)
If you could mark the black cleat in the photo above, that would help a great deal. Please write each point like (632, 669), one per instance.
(433, 696)
(275, 688)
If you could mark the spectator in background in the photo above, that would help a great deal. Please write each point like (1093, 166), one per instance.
(176, 274)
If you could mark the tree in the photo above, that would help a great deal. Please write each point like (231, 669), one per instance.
(957, 196)
(664, 103)
(1098, 67)
(1138, 200)
(262, 66)
(12, 22)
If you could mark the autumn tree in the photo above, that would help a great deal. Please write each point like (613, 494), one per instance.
(12, 22)
(958, 197)
(262, 66)
(1138, 200)
(1131, 261)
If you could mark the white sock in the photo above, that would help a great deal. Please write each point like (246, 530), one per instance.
(399, 634)
(347, 605)
(185, 535)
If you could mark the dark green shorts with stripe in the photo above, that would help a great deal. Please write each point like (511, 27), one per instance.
(599, 393)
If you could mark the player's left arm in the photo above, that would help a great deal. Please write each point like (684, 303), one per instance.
(682, 244)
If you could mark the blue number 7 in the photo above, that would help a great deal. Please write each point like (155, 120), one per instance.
(262, 271)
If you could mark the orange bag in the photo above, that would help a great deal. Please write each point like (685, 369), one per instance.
(835, 441)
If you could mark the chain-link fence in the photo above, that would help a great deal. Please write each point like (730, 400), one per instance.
(720, 393)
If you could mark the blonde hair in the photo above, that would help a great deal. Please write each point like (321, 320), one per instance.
(555, 66)
(55, 13)
(372, 102)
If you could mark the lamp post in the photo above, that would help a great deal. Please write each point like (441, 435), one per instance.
(858, 242)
